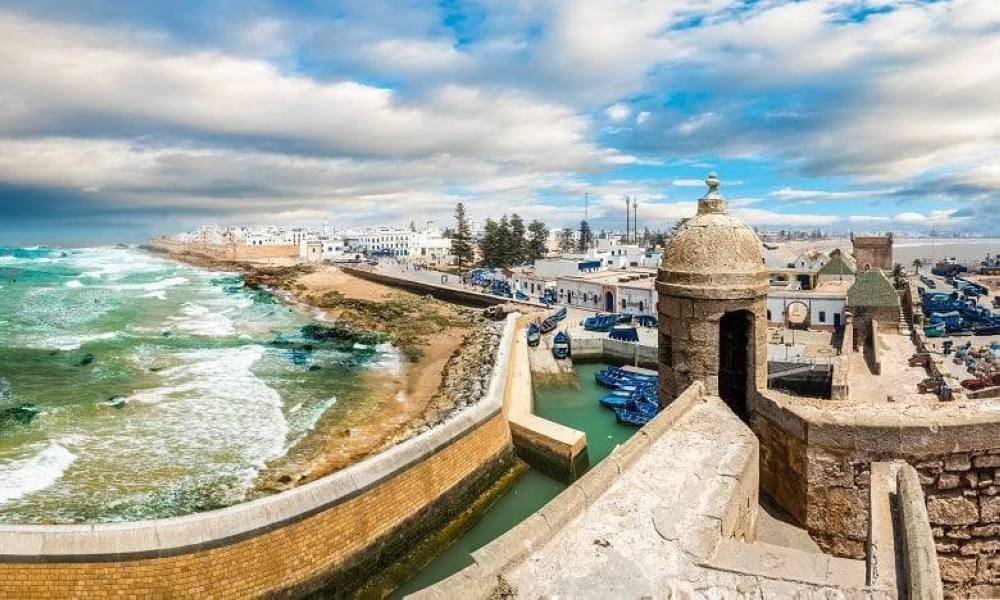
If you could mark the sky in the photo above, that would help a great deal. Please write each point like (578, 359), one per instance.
(120, 120)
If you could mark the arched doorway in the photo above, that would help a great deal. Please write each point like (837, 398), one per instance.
(734, 348)
(797, 315)
(609, 302)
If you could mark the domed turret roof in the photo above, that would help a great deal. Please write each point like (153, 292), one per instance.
(713, 254)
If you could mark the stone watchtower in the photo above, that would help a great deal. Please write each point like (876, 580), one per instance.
(712, 287)
(872, 252)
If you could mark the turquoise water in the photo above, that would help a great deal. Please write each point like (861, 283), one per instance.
(578, 408)
(134, 387)
(573, 406)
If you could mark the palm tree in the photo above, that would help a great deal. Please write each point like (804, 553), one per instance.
(898, 277)
(917, 264)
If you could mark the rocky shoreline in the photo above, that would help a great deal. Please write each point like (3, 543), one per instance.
(448, 356)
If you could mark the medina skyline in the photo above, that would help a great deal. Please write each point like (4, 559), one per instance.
(122, 121)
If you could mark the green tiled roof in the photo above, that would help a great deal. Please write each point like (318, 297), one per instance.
(872, 288)
(836, 266)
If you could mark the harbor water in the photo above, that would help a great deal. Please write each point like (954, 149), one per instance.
(571, 405)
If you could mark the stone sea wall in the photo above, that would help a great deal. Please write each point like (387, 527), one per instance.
(230, 251)
(330, 534)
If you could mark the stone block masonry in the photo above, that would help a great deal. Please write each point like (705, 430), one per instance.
(816, 463)
(330, 534)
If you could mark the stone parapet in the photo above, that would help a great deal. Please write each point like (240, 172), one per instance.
(920, 564)
(816, 462)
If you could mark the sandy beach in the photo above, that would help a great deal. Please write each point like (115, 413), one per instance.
(428, 334)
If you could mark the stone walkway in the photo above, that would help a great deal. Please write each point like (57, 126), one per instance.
(633, 541)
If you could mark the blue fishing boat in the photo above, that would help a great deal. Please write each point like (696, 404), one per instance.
(936, 330)
(519, 295)
(624, 334)
(632, 417)
(559, 315)
(534, 334)
(624, 318)
(561, 346)
(547, 325)
(647, 320)
(600, 323)
(612, 401)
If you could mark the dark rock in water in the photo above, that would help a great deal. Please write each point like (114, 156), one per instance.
(166, 333)
(314, 368)
(53, 353)
(87, 359)
(23, 414)
(343, 334)
(117, 401)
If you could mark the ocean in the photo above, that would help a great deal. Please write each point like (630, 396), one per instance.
(136, 387)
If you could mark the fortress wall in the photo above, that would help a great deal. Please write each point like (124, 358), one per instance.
(817, 465)
(331, 533)
(230, 251)
(441, 292)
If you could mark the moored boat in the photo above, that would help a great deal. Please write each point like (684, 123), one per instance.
(547, 325)
(624, 334)
(534, 334)
(561, 346)
(559, 315)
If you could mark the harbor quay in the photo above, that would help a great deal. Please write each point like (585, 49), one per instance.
(784, 432)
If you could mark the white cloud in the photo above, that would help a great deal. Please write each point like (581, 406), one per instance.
(867, 219)
(688, 182)
(642, 117)
(935, 217)
(618, 112)
(118, 79)
(793, 195)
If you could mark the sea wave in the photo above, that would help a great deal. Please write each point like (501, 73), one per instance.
(18, 478)
(76, 283)
(215, 398)
(70, 342)
(198, 319)
(155, 286)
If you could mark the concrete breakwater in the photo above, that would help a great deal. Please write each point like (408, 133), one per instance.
(327, 534)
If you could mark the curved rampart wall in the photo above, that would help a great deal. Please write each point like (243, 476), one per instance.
(816, 463)
(330, 533)
(441, 292)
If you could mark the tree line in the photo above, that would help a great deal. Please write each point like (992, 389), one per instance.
(509, 241)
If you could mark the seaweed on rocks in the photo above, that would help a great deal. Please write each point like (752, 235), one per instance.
(338, 334)
(22, 414)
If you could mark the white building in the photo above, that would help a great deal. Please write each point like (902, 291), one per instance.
(820, 308)
(631, 291)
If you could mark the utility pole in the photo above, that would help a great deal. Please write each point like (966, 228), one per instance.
(635, 220)
(627, 201)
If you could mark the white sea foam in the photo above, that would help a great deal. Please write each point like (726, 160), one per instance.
(71, 342)
(214, 400)
(18, 478)
(198, 319)
(158, 294)
(76, 283)
(156, 286)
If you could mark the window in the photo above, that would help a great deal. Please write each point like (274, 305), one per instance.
(822, 316)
